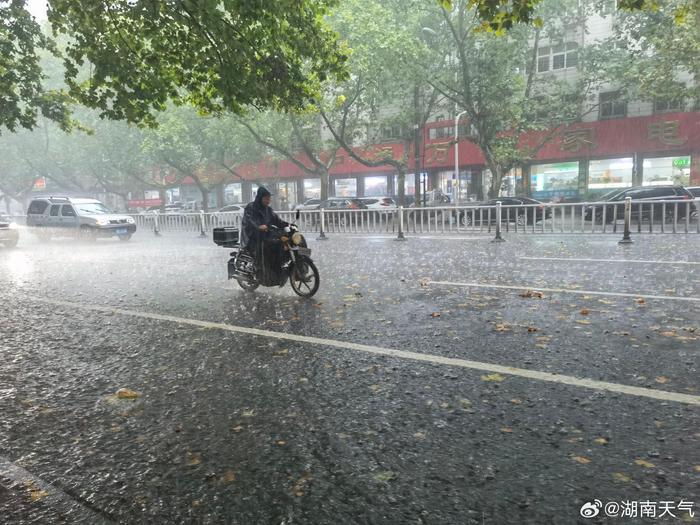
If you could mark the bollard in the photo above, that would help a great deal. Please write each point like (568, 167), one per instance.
(156, 228)
(498, 223)
(626, 239)
(322, 234)
(401, 235)
(202, 230)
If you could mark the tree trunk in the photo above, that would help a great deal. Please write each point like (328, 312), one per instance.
(205, 198)
(161, 196)
(402, 186)
(496, 179)
(325, 183)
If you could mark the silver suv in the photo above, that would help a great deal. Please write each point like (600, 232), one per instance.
(86, 218)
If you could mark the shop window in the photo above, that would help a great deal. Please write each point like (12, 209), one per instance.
(312, 188)
(345, 187)
(233, 193)
(409, 184)
(554, 180)
(376, 186)
(666, 170)
(611, 106)
(609, 174)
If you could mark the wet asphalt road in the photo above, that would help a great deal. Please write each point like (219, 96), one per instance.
(237, 428)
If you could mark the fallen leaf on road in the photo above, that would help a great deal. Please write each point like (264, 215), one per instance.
(580, 321)
(35, 493)
(435, 314)
(125, 393)
(532, 329)
(507, 430)
(516, 401)
(280, 442)
(619, 476)
(229, 476)
(585, 311)
(661, 379)
(581, 459)
(532, 294)
(248, 413)
(600, 441)
(696, 468)
(193, 459)
(644, 463)
(493, 377)
(641, 300)
(385, 476)
(237, 429)
(501, 327)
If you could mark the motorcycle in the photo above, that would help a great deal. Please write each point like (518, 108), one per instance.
(296, 264)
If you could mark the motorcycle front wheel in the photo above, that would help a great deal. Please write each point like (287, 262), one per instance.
(304, 277)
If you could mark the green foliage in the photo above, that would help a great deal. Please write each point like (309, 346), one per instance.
(23, 95)
(216, 55)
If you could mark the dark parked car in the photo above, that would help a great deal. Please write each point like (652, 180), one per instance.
(649, 207)
(528, 211)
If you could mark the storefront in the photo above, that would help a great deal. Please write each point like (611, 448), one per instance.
(409, 185)
(286, 197)
(233, 193)
(345, 187)
(376, 186)
(666, 170)
(312, 189)
(549, 181)
(609, 174)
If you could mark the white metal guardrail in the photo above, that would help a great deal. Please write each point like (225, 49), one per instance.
(662, 216)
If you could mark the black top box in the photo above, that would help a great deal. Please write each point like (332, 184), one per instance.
(227, 236)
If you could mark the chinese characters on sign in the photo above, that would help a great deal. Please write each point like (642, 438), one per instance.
(666, 132)
(639, 509)
(437, 152)
(575, 139)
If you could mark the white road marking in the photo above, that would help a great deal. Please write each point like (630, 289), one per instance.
(400, 354)
(49, 494)
(638, 261)
(411, 236)
(568, 290)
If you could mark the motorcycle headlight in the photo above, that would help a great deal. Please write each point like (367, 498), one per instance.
(297, 238)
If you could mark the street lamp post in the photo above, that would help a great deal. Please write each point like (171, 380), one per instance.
(459, 115)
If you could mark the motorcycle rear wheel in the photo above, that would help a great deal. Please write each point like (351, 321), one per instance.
(304, 277)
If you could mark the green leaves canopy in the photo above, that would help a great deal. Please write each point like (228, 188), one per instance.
(217, 55)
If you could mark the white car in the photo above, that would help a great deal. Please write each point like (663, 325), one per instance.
(379, 203)
(308, 204)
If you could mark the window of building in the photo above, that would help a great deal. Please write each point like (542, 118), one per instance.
(609, 174)
(554, 180)
(376, 186)
(560, 56)
(611, 106)
(666, 170)
(391, 132)
(312, 188)
(233, 193)
(345, 187)
(286, 195)
(667, 106)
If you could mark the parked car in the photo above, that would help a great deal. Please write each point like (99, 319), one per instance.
(9, 233)
(308, 204)
(528, 211)
(230, 215)
(646, 194)
(342, 203)
(379, 203)
(85, 218)
(695, 191)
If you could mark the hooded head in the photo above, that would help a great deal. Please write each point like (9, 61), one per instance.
(262, 198)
